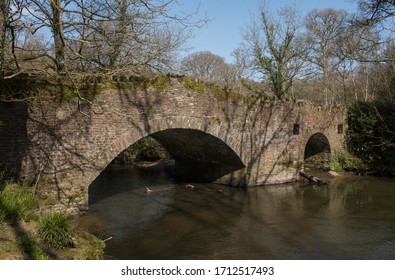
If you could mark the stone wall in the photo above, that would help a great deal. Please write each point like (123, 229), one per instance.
(64, 146)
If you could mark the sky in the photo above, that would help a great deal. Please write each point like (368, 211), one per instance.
(223, 33)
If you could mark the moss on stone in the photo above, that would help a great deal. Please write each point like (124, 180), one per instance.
(138, 83)
(54, 88)
(219, 92)
(193, 84)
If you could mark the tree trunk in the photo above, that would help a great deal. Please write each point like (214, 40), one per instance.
(4, 13)
(121, 33)
(57, 29)
(311, 178)
(366, 89)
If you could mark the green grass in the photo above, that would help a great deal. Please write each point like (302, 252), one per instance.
(55, 230)
(24, 232)
(16, 202)
(95, 248)
(31, 248)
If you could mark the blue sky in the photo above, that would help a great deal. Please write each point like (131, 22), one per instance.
(223, 34)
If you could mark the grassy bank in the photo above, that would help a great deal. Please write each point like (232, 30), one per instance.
(29, 232)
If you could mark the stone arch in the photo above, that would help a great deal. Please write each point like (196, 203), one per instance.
(317, 152)
(199, 155)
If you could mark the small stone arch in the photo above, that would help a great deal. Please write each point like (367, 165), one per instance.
(317, 153)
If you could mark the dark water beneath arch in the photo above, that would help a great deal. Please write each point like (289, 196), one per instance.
(349, 219)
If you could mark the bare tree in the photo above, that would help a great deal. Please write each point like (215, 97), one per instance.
(205, 66)
(242, 64)
(124, 35)
(57, 26)
(4, 21)
(10, 15)
(376, 11)
(272, 44)
(327, 35)
(49, 14)
(381, 76)
(377, 15)
(110, 35)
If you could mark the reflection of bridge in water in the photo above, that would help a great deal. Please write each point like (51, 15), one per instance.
(230, 140)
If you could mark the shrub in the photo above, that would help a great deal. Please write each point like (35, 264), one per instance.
(371, 133)
(54, 229)
(336, 166)
(16, 202)
(347, 162)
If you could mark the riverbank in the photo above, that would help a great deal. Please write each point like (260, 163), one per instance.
(20, 242)
(159, 164)
(324, 176)
(29, 232)
(329, 176)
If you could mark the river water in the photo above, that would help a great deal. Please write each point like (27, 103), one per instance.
(352, 218)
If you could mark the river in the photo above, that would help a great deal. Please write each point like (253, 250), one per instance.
(351, 218)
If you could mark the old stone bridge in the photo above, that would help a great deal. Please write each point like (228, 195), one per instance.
(61, 147)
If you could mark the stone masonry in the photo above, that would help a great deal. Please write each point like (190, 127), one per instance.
(63, 146)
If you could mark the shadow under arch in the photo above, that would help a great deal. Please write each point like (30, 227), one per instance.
(317, 153)
(199, 156)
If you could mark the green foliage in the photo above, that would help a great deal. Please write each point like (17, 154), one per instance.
(146, 149)
(345, 161)
(16, 202)
(371, 134)
(55, 230)
(274, 72)
(335, 166)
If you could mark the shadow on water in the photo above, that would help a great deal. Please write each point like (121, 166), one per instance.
(346, 220)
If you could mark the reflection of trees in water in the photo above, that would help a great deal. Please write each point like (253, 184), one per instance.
(367, 197)
(275, 222)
